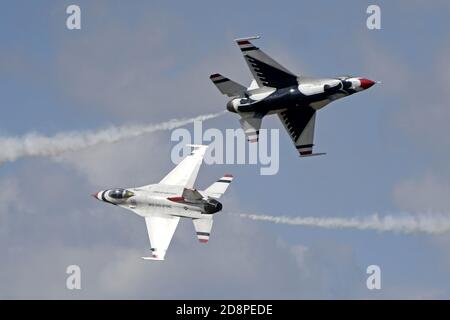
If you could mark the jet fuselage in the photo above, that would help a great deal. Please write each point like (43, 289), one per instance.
(162, 198)
(315, 93)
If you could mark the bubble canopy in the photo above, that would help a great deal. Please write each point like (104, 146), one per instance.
(120, 194)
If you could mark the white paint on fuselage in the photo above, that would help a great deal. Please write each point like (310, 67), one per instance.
(258, 95)
(153, 199)
(307, 86)
(309, 89)
(316, 86)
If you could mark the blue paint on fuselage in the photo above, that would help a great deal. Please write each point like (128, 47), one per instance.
(291, 97)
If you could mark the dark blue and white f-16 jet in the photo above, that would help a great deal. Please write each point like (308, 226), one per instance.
(276, 90)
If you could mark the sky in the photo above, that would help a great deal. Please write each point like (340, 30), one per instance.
(148, 62)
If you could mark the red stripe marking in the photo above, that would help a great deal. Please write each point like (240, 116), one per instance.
(203, 240)
(305, 152)
(243, 42)
(228, 175)
(176, 199)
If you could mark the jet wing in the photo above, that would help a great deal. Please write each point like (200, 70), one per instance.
(185, 173)
(251, 123)
(299, 123)
(160, 230)
(265, 70)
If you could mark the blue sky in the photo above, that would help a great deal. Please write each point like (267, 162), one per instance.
(146, 62)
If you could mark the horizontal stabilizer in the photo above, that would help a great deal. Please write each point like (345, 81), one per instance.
(218, 188)
(227, 86)
(203, 228)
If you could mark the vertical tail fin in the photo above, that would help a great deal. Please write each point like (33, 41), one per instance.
(227, 86)
(251, 123)
(218, 188)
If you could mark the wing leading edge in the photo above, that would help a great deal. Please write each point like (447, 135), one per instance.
(185, 173)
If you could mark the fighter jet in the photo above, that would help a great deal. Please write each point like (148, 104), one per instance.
(174, 197)
(276, 90)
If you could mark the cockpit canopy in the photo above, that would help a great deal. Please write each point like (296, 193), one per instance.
(120, 194)
(344, 77)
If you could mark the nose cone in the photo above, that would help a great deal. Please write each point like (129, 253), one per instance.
(97, 195)
(366, 83)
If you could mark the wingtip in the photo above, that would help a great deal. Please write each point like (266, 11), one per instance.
(154, 257)
(248, 38)
(312, 154)
(197, 146)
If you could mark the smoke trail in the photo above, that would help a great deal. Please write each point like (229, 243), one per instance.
(405, 223)
(33, 144)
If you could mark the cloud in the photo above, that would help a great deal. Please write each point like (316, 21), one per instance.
(428, 114)
(421, 194)
(148, 69)
(416, 93)
(64, 226)
(122, 164)
(386, 66)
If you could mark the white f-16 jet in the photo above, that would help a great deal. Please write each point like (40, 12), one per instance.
(276, 90)
(174, 197)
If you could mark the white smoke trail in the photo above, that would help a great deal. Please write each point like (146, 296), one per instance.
(36, 145)
(404, 223)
